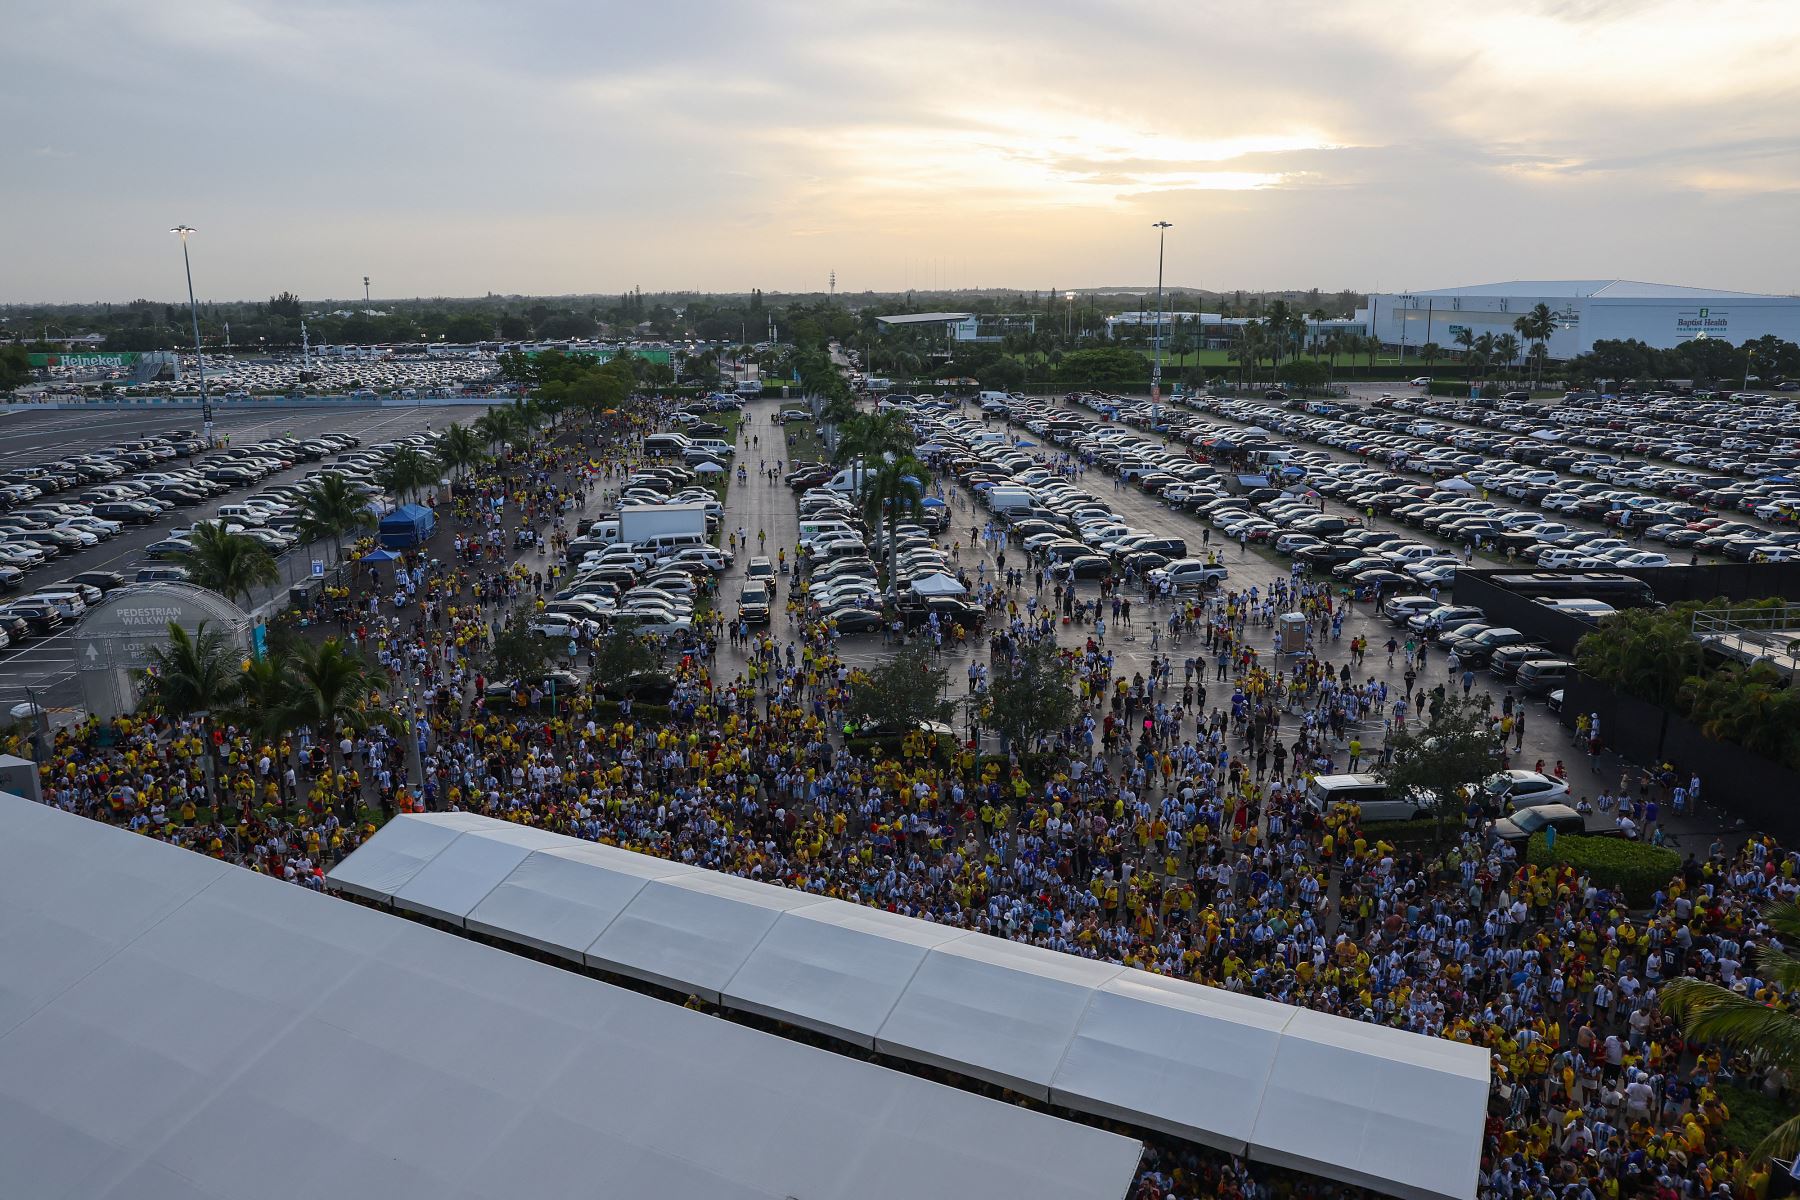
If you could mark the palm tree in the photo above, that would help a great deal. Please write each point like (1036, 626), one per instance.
(1465, 338)
(231, 564)
(1276, 323)
(1484, 347)
(1711, 1013)
(460, 448)
(1429, 353)
(336, 688)
(1536, 327)
(195, 675)
(1317, 317)
(1371, 346)
(265, 697)
(407, 470)
(331, 508)
(1506, 347)
(896, 487)
(495, 426)
(875, 435)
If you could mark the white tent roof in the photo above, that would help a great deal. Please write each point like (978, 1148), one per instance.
(414, 1065)
(938, 583)
(1339, 1098)
(414, 843)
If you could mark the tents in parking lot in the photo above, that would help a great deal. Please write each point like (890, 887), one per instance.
(937, 584)
(407, 526)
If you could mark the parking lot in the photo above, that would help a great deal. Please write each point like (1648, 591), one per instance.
(1138, 502)
(43, 667)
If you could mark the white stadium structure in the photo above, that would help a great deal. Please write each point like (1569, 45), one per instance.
(1587, 310)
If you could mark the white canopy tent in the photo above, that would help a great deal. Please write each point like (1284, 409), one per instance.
(938, 583)
(414, 1065)
(1342, 1099)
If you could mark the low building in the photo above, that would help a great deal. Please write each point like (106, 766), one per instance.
(1585, 311)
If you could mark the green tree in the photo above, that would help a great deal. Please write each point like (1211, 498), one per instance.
(467, 327)
(1453, 750)
(231, 564)
(460, 449)
(407, 470)
(15, 367)
(517, 651)
(337, 689)
(872, 436)
(265, 697)
(1709, 1012)
(1465, 340)
(1306, 375)
(620, 659)
(902, 693)
(1647, 652)
(892, 489)
(194, 676)
(1429, 353)
(1031, 696)
(331, 508)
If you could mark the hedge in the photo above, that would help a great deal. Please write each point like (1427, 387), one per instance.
(1636, 868)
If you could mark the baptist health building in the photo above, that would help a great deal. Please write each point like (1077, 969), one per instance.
(1586, 311)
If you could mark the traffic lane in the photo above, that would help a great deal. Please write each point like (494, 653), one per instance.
(48, 663)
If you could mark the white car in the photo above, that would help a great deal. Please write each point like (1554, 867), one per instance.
(1509, 791)
(562, 626)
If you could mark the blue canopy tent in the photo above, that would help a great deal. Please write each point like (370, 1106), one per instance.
(379, 556)
(407, 526)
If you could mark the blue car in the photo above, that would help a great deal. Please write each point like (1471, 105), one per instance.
(167, 548)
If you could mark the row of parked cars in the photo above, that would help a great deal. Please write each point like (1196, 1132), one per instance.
(80, 500)
(845, 561)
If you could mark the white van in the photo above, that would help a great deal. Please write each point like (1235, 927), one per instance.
(1369, 793)
(70, 604)
(812, 531)
(667, 444)
(665, 545)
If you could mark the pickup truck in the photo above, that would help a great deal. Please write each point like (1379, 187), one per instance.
(1519, 827)
(1188, 573)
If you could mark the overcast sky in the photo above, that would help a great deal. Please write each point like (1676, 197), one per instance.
(449, 147)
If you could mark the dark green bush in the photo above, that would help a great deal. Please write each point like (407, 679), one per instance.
(1636, 868)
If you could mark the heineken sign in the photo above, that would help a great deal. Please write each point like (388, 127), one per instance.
(117, 361)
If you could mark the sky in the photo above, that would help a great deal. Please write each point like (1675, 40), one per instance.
(450, 147)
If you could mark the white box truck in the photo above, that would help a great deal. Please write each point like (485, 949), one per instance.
(640, 524)
(1004, 498)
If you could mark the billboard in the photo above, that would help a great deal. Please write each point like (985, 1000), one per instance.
(117, 360)
(1702, 323)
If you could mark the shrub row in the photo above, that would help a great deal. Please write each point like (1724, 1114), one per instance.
(1635, 868)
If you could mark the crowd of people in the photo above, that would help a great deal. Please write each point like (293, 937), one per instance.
(1166, 828)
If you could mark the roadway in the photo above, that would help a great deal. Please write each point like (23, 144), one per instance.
(44, 668)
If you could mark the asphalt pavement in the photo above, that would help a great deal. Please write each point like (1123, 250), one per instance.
(44, 668)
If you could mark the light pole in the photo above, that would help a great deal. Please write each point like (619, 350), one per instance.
(206, 413)
(1162, 228)
(366, 300)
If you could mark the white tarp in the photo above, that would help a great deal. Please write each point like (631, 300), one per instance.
(561, 900)
(456, 878)
(938, 583)
(402, 849)
(1375, 1106)
(1173, 1055)
(692, 932)
(997, 1010)
(835, 968)
(1342, 1099)
(189, 1025)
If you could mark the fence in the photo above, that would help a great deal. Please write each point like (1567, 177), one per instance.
(1763, 795)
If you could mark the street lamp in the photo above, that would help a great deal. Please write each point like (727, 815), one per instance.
(1162, 228)
(206, 412)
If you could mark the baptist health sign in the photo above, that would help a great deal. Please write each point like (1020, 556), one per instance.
(1702, 323)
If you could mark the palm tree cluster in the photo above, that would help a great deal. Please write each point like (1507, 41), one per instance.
(325, 686)
(407, 470)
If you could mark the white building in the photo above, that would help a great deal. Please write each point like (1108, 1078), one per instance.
(1587, 310)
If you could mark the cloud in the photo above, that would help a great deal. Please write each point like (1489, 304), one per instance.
(453, 146)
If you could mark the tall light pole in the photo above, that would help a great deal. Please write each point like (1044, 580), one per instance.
(1162, 228)
(365, 291)
(206, 413)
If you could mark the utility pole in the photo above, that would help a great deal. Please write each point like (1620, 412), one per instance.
(206, 413)
(365, 291)
(1162, 228)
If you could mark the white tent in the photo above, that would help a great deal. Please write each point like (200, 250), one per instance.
(937, 583)
(1456, 483)
(173, 1028)
(1342, 1099)
(467, 869)
(405, 847)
